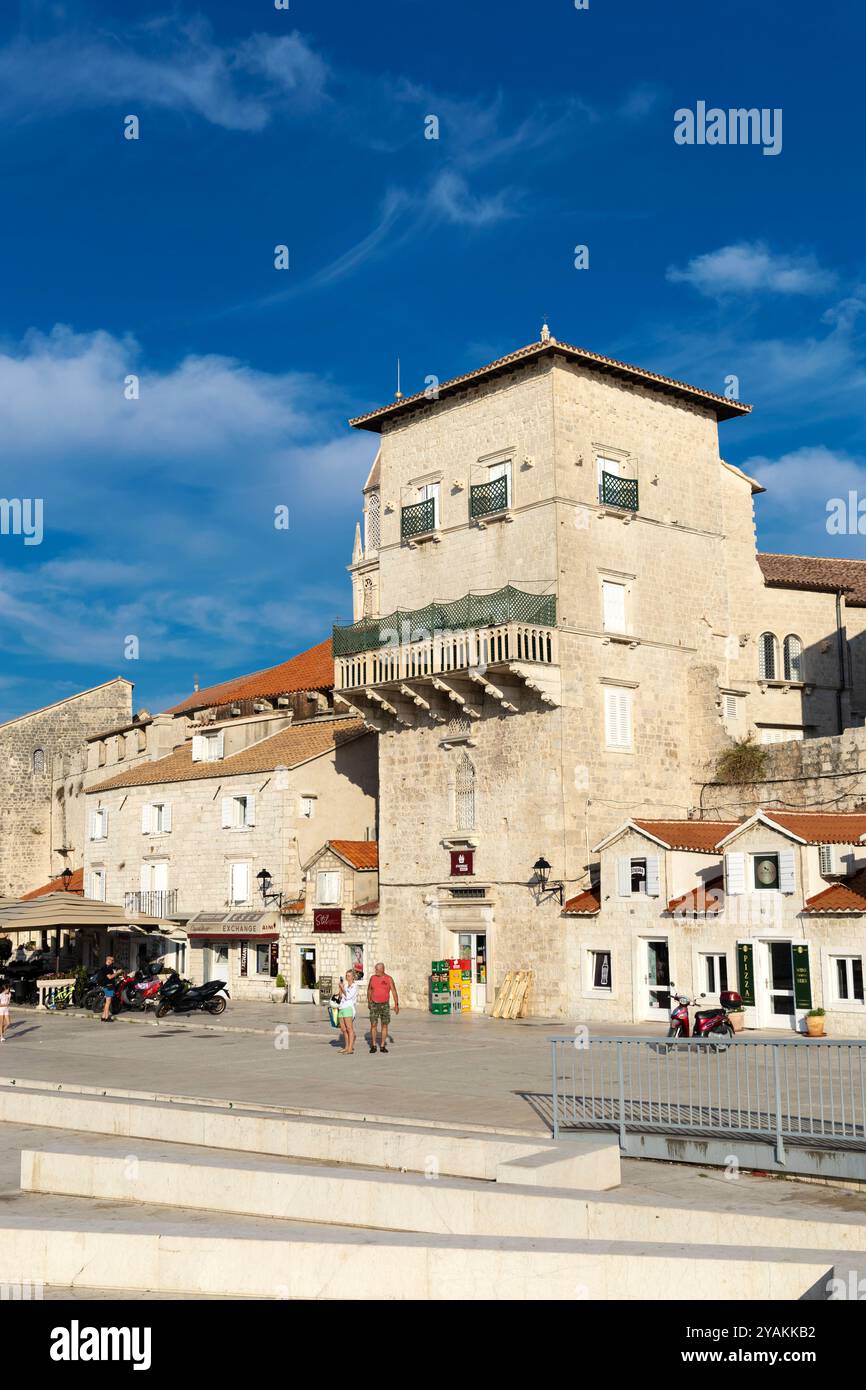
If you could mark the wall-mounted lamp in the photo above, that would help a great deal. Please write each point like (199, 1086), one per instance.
(544, 887)
(265, 882)
(67, 878)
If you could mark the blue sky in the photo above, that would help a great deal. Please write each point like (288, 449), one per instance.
(305, 127)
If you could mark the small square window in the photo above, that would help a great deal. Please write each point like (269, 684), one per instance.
(766, 871)
(638, 875)
(601, 976)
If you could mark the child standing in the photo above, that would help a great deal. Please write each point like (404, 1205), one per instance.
(5, 1001)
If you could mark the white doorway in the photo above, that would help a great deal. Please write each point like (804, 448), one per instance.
(473, 946)
(653, 978)
(217, 962)
(774, 985)
(307, 975)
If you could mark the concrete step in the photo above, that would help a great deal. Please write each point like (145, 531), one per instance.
(593, 1160)
(338, 1195)
(102, 1246)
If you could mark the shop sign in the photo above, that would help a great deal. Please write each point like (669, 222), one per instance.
(244, 953)
(745, 974)
(275, 959)
(232, 924)
(802, 978)
(462, 862)
(327, 919)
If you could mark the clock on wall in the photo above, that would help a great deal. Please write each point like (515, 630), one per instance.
(767, 871)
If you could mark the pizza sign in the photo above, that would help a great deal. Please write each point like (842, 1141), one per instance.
(462, 862)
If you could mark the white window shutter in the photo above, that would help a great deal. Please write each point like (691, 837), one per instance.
(91, 828)
(227, 812)
(787, 876)
(735, 873)
(652, 875)
(160, 876)
(145, 819)
(220, 744)
(623, 876)
(166, 816)
(144, 878)
(88, 885)
(199, 748)
(250, 811)
(104, 814)
(613, 606)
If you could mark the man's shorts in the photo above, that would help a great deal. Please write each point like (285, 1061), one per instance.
(380, 1013)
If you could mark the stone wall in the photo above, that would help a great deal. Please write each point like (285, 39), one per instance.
(815, 774)
(37, 818)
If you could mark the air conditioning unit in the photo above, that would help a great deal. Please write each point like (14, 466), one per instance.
(831, 862)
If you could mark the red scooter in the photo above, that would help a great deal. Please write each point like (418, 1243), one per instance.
(708, 1022)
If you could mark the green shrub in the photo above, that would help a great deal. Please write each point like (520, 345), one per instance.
(744, 761)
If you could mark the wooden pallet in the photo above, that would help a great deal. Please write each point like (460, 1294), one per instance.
(511, 1000)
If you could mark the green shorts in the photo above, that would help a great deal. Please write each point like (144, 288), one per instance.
(348, 1011)
(380, 1013)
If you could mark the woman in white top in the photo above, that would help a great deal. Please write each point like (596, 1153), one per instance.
(348, 998)
(5, 1001)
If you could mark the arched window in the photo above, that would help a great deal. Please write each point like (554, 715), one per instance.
(465, 794)
(768, 656)
(793, 654)
(38, 760)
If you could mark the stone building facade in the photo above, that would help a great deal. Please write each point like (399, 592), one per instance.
(572, 622)
(333, 926)
(773, 907)
(41, 824)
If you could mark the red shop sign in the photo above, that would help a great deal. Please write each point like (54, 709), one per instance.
(327, 919)
(462, 862)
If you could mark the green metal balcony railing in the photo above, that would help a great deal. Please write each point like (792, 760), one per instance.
(618, 492)
(486, 499)
(473, 611)
(419, 519)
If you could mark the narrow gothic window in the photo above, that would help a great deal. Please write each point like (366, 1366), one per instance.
(38, 760)
(373, 512)
(793, 652)
(368, 598)
(768, 656)
(465, 794)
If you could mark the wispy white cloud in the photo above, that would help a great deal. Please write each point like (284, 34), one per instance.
(165, 65)
(752, 268)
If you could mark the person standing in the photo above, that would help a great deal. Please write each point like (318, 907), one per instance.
(380, 988)
(348, 998)
(105, 977)
(5, 1001)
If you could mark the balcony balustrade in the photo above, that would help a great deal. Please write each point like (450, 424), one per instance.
(155, 902)
(615, 491)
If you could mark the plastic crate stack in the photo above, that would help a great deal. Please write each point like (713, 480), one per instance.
(440, 989)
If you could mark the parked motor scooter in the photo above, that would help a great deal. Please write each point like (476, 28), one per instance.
(712, 1022)
(143, 986)
(178, 996)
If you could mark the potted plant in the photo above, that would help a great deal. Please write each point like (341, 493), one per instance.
(737, 1018)
(815, 1023)
(278, 993)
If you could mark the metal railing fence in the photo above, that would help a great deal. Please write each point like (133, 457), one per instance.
(797, 1091)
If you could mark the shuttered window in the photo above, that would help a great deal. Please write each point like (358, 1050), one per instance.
(328, 887)
(613, 606)
(617, 717)
(735, 873)
(240, 883)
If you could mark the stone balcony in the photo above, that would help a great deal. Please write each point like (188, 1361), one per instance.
(421, 665)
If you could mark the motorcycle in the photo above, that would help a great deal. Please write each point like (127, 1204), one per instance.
(138, 989)
(179, 996)
(708, 1023)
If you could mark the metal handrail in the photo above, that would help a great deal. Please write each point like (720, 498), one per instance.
(784, 1091)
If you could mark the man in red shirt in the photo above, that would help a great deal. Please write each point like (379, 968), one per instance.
(380, 987)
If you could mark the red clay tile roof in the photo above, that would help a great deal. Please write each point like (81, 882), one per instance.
(848, 895)
(700, 835)
(361, 854)
(294, 909)
(310, 670)
(822, 828)
(816, 572)
(76, 885)
(584, 904)
(708, 898)
(724, 408)
(293, 746)
(366, 909)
